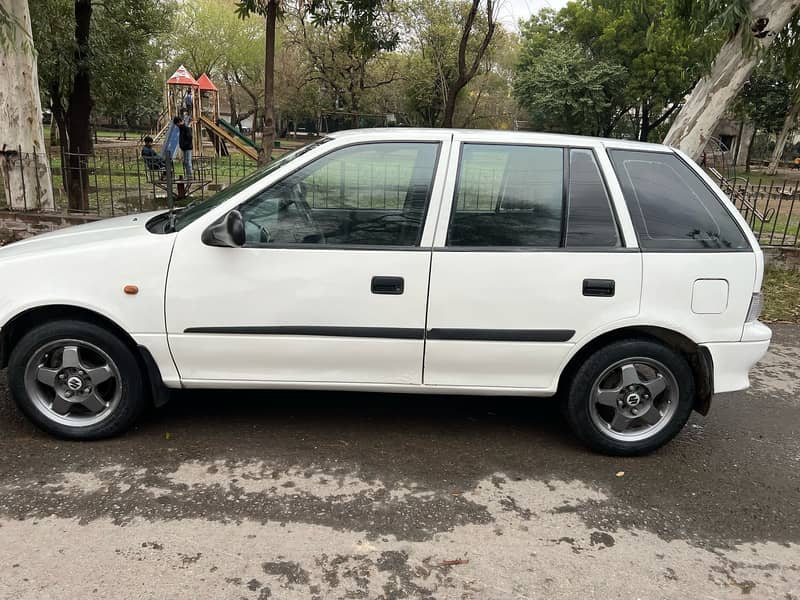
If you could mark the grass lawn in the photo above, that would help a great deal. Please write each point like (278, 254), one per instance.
(781, 295)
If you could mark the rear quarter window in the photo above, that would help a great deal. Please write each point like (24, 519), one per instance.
(670, 206)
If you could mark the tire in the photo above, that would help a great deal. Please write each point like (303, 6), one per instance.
(612, 413)
(80, 368)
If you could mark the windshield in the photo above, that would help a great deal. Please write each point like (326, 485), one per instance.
(194, 211)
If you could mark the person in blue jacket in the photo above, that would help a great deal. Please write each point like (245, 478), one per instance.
(185, 143)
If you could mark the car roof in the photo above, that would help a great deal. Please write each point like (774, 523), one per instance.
(494, 136)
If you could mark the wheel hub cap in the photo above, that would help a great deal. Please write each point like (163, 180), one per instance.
(75, 383)
(633, 400)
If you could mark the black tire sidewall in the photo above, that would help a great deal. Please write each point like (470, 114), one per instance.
(131, 403)
(578, 398)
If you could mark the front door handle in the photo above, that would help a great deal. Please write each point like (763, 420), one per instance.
(598, 287)
(388, 285)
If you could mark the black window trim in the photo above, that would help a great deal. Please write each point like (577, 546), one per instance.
(356, 247)
(566, 156)
(671, 152)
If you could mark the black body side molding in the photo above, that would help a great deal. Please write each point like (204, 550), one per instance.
(502, 335)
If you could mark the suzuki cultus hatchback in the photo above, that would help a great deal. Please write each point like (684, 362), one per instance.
(614, 274)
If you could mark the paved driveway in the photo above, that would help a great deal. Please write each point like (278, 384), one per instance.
(289, 495)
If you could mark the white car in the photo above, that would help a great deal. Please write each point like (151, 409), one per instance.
(615, 274)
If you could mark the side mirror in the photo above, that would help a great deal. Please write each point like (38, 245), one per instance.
(228, 233)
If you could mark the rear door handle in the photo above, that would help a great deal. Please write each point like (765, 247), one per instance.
(388, 285)
(598, 287)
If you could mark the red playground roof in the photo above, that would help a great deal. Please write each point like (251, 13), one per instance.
(182, 77)
(205, 84)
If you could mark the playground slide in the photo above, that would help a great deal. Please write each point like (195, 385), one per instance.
(225, 131)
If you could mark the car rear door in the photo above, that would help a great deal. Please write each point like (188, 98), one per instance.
(331, 286)
(529, 258)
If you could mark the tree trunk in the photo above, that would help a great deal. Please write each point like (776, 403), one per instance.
(231, 100)
(53, 132)
(450, 107)
(644, 128)
(749, 151)
(712, 95)
(783, 136)
(26, 177)
(465, 73)
(738, 145)
(268, 131)
(79, 111)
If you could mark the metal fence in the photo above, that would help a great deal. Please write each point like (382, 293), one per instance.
(770, 206)
(118, 181)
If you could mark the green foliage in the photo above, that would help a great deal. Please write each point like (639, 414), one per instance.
(203, 33)
(565, 89)
(660, 55)
(125, 44)
(368, 22)
(435, 29)
(766, 97)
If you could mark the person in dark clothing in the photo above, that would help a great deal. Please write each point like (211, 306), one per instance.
(152, 160)
(188, 102)
(185, 142)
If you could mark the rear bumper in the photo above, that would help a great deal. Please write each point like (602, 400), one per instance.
(733, 360)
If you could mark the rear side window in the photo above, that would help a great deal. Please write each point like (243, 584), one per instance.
(515, 196)
(509, 196)
(590, 222)
(671, 207)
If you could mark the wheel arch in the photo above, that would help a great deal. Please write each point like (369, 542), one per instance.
(699, 357)
(23, 322)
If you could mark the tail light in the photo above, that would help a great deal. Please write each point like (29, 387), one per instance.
(756, 305)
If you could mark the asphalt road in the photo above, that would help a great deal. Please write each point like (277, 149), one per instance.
(290, 495)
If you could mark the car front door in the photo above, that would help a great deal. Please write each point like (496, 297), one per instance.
(331, 285)
(528, 260)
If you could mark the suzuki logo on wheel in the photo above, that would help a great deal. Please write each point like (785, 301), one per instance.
(74, 383)
(633, 400)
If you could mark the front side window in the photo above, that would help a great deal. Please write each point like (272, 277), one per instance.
(671, 207)
(508, 195)
(371, 194)
(194, 211)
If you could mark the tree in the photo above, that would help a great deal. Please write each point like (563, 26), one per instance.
(649, 39)
(565, 90)
(359, 17)
(752, 25)
(112, 53)
(212, 39)
(26, 176)
(450, 41)
(762, 103)
(487, 100)
(346, 66)
(787, 53)
(661, 56)
(465, 72)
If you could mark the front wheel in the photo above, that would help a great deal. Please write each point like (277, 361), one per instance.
(630, 397)
(76, 380)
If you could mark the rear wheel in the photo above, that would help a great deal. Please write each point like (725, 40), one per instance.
(76, 380)
(630, 397)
